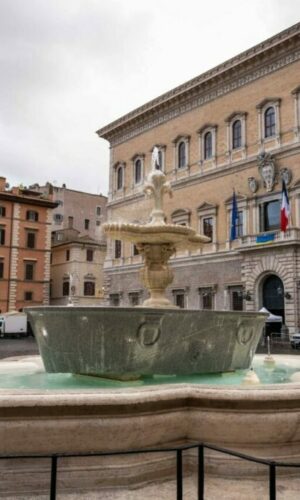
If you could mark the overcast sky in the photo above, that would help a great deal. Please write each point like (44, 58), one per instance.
(69, 67)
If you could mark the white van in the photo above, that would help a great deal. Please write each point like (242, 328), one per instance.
(13, 324)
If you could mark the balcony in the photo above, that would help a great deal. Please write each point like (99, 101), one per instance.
(270, 238)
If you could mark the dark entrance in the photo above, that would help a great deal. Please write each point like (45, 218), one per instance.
(273, 298)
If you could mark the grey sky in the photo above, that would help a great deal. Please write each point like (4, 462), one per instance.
(68, 67)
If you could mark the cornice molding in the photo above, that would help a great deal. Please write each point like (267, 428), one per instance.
(265, 58)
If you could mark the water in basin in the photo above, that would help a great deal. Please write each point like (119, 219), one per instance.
(27, 373)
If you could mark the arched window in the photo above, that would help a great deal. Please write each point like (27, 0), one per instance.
(236, 134)
(159, 165)
(270, 122)
(181, 155)
(137, 171)
(207, 145)
(120, 177)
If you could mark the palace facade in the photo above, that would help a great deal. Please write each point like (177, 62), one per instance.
(235, 127)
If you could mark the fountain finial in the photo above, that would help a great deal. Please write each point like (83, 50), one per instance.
(156, 185)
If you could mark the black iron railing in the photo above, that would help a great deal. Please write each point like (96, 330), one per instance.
(200, 447)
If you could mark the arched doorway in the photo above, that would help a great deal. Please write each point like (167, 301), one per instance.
(273, 296)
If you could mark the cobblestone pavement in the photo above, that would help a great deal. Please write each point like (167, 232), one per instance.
(18, 347)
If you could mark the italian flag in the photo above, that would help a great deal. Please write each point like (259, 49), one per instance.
(285, 209)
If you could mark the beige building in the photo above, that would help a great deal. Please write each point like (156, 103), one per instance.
(76, 269)
(237, 127)
(85, 212)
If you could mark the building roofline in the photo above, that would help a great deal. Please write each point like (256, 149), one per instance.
(166, 99)
(75, 191)
(6, 196)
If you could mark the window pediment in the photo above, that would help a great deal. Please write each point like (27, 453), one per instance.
(138, 156)
(296, 90)
(181, 137)
(205, 207)
(236, 114)
(239, 198)
(119, 164)
(207, 126)
(268, 100)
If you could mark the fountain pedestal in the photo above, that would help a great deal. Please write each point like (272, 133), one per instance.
(156, 273)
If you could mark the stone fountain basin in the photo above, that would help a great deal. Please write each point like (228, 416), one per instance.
(127, 342)
(180, 236)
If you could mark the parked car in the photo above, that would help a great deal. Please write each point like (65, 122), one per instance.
(295, 341)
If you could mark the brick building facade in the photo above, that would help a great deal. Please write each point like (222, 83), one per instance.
(25, 246)
(237, 127)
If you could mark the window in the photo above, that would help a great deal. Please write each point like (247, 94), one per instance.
(98, 223)
(70, 222)
(86, 224)
(89, 288)
(237, 300)
(236, 134)
(179, 299)
(137, 171)
(181, 154)
(270, 122)
(239, 226)
(28, 296)
(120, 176)
(207, 145)
(208, 227)
(118, 249)
(2, 236)
(114, 299)
(89, 255)
(30, 239)
(206, 298)
(32, 215)
(1, 268)
(67, 254)
(159, 165)
(135, 250)
(29, 271)
(58, 218)
(134, 298)
(98, 211)
(66, 288)
(2, 211)
(269, 215)
(60, 202)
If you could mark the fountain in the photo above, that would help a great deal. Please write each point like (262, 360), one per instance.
(157, 338)
(191, 367)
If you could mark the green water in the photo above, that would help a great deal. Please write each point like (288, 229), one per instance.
(29, 374)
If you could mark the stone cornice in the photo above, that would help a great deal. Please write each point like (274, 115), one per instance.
(264, 58)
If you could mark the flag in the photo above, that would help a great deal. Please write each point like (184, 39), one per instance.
(285, 208)
(234, 218)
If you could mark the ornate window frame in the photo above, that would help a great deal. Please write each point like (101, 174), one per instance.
(177, 141)
(296, 95)
(211, 289)
(230, 121)
(138, 157)
(262, 107)
(212, 128)
(208, 210)
(182, 292)
(119, 167)
(181, 217)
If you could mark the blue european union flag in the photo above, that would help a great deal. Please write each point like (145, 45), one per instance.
(234, 218)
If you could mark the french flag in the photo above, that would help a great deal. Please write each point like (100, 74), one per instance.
(285, 209)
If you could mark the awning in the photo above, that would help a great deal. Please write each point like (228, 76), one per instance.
(272, 318)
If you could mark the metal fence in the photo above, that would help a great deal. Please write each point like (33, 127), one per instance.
(200, 447)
